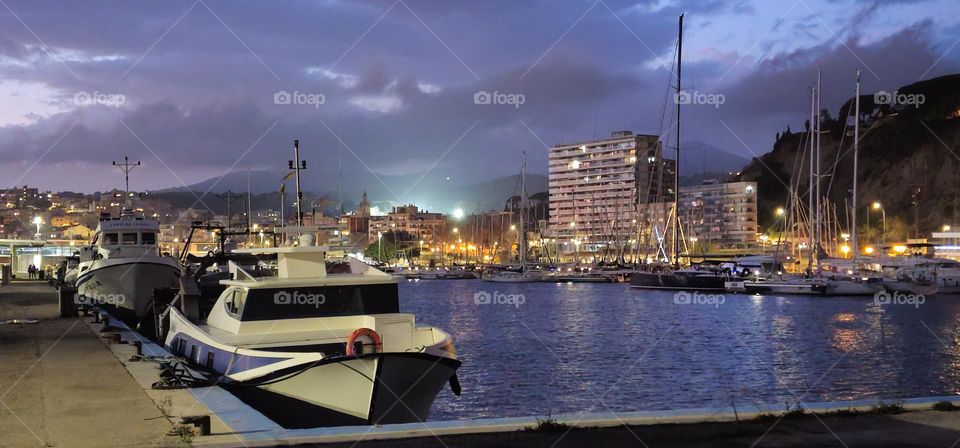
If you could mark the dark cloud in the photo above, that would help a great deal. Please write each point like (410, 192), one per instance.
(200, 84)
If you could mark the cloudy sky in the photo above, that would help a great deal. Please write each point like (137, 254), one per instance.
(196, 88)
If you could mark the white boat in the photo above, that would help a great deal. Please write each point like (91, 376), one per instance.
(122, 267)
(307, 348)
(507, 276)
(779, 285)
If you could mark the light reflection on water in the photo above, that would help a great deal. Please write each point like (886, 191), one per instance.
(601, 347)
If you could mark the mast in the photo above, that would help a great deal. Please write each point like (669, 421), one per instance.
(856, 151)
(523, 212)
(676, 170)
(810, 195)
(126, 167)
(340, 170)
(819, 206)
(298, 165)
(249, 206)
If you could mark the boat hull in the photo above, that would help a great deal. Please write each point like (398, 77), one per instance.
(300, 388)
(382, 388)
(653, 280)
(124, 287)
(792, 288)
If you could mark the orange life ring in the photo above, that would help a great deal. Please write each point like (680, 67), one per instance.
(377, 341)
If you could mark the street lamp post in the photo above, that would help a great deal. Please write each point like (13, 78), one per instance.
(380, 247)
(420, 254)
(38, 220)
(883, 217)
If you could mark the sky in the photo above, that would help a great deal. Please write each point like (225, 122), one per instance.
(399, 91)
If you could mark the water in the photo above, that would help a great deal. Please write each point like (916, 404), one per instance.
(605, 347)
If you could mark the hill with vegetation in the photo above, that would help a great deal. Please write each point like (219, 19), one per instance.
(909, 161)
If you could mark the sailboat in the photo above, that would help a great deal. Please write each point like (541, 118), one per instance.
(845, 283)
(704, 276)
(522, 273)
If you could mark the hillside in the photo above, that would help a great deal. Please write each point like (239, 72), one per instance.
(909, 161)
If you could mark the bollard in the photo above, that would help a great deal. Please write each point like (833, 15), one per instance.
(200, 421)
(139, 346)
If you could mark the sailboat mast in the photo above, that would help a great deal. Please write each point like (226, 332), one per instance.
(523, 212)
(810, 205)
(819, 206)
(676, 171)
(856, 156)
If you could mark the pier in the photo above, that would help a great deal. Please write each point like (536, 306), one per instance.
(66, 382)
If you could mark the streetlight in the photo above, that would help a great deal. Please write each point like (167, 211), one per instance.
(458, 213)
(420, 254)
(883, 216)
(38, 220)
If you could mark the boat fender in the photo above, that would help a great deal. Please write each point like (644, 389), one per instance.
(360, 332)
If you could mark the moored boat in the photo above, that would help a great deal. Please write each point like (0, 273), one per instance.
(309, 348)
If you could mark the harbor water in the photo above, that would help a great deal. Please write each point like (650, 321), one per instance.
(546, 348)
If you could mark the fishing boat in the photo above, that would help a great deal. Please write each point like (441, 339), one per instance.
(120, 269)
(309, 347)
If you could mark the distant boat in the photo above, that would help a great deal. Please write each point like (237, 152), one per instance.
(522, 274)
(122, 266)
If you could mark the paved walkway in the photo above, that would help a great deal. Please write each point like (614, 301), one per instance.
(61, 387)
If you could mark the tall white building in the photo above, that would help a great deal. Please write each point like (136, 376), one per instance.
(594, 187)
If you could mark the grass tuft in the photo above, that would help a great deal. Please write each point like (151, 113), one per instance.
(548, 424)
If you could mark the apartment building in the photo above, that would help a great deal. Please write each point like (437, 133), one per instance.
(723, 214)
(594, 186)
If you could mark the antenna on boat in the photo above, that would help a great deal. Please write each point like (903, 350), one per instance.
(298, 165)
(126, 167)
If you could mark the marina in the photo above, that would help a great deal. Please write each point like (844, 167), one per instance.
(480, 224)
(870, 360)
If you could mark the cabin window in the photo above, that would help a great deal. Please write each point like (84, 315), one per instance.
(111, 238)
(148, 238)
(298, 303)
(209, 363)
(129, 239)
(234, 303)
(193, 353)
